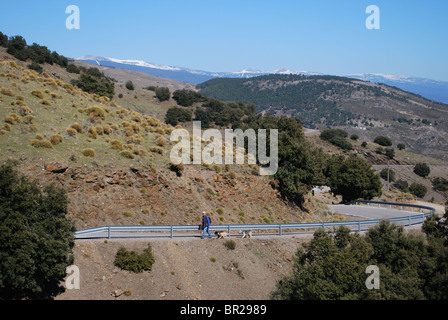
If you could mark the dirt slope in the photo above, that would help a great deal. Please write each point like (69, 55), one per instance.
(185, 269)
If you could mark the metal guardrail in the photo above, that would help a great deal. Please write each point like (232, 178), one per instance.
(280, 229)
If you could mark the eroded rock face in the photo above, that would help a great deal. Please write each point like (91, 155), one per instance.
(140, 195)
(55, 167)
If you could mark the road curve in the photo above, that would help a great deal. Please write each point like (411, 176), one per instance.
(371, 213)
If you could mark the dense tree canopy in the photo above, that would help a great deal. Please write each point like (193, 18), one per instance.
(36, 237)
(333, 265)
(353, 178)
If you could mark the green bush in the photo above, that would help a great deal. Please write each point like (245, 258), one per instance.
(36, 237)
(175, 115)
(186, 98)
(129, 85)
(341, 143)
(402, 185)
(440, 184)
(134, 262)
(163, 94)
(383, 141)
(422, 169)
(418, 190)
(331, 133)
(383, 174)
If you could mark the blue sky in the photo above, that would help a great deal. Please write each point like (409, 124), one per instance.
(327, 36)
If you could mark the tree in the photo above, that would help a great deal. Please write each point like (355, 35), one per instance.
(332, 265)
(36, 237)
(390, 153)
(129, 85)
(353, 178)
(383, 141)
(418, 190)
(163, 94)
(422, 169)
(328, 134)
(94, 81)
(401, 146)
(72, 68)
(186, 98)
(387, 173)
(175, 115)
(402, 185)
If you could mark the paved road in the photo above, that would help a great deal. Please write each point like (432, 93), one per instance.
(371, 213)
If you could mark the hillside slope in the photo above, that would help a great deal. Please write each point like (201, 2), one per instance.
(364, 108)
(114, 161)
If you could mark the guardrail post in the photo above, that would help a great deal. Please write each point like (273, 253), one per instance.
(323, 226)
(228, 229)
(171, 230)
(409, 220)
(359, 226)
(108, 232)
(280, 230)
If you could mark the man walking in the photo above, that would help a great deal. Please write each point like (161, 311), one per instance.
(205, 224)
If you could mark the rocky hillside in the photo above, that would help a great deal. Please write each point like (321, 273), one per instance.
(114, 160)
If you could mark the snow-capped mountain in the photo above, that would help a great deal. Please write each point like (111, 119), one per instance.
(430, 89)
(178, 73)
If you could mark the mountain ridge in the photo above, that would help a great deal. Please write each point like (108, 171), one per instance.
(428, 88)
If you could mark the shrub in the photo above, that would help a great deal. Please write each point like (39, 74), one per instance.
(422, 169)
(7, 92)
(134, 262)
(127, 154)
(178, 168)
(175, 115)
(92, 133)
(402, 185)
(38, 94)
(390, 153)
(341, 143)
(116, 145)
(383, 141)
(35, 66)
(401, 146)
(383, 174)
(186, 98)
(12, 118)
(77, 127)
(354, 137)
(129, 85)
(440, 184)
(41, 144)
(156, 150)
(331, 133)
(96, 113)
(230, 244)
(55, 139)
(88, 152)
(418, 190)
(45, 102)
(28, 119)
(161, 141)
(71, 132)
(163, 94)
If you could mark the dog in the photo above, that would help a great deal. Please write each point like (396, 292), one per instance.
(221, 234)
(246, 233)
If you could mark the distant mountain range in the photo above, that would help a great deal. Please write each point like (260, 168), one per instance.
(430, 89)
